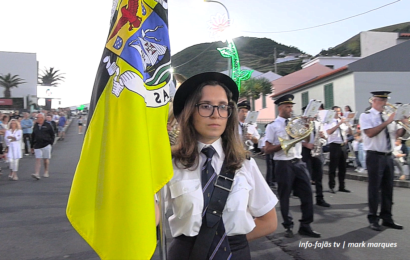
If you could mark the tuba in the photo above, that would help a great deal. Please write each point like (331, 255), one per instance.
(298, 130)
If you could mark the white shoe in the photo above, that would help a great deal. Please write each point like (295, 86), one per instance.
(46, 175)
(35, 176)
(362, 171)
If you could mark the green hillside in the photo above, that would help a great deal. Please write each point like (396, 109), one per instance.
(352, 46)
(256, 53)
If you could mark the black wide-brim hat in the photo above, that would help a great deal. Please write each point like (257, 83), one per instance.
(191, 85)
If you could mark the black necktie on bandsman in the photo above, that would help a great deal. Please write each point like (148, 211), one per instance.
(220, 245)
(386, 132)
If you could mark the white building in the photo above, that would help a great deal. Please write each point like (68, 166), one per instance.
(373, 42)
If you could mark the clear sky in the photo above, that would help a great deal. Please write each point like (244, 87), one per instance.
(70, 35)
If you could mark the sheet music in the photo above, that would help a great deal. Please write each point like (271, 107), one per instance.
(326, 116)
(312, 108)
(252, 116)
(402, 111)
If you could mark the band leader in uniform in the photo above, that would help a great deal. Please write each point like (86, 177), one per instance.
(380, 132)
(290, 171)
(205, 107)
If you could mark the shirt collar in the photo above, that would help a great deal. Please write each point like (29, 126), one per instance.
(374, 111)
(217, 146)
(281, 119)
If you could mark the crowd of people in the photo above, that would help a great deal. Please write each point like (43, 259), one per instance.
(30, 134)
(216, 194)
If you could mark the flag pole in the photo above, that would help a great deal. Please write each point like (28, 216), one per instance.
(162, 223)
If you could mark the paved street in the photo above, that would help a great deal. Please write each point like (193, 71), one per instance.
(33, 224)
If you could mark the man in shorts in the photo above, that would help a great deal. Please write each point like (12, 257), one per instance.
(42, 140)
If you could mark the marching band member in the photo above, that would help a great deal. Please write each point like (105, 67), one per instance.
(379, 133)
(210, 171)
(252, 133)
(314, 164)
(337, 138)
(290, 171)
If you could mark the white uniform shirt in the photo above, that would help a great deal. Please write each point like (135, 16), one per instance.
(251, 130)
(379, 142)
(250, 197)
(336, 137)
(277, 129)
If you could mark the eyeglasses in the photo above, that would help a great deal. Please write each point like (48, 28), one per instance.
(207, 110)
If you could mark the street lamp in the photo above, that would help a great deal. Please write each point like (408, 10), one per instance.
(229, 24)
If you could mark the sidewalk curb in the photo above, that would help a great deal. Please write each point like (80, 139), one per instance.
(356, 176)
(362, 177)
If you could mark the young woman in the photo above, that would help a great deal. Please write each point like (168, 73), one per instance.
(13, 141)
(205, 107)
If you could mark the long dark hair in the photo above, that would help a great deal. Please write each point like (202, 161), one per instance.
(186, 153)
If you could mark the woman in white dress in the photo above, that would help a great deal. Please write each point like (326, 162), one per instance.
(13, 141)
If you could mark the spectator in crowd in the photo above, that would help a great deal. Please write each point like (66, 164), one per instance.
(5, 126)
(62, 122)
(27, 126)
(399, 159)
(42, 140)
(53, 124)
(13, 141)
(355, 145)
(80, 125)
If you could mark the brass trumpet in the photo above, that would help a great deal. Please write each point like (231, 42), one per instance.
(296, 129)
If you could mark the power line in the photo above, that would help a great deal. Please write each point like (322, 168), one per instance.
(350, 17)
(195, 56)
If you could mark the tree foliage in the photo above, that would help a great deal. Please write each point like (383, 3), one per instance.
(254, 87)
(50, 77)
(9, 81)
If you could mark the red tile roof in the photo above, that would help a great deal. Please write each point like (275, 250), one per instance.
(313, 80)
(288, 82)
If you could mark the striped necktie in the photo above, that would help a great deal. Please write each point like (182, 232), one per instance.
(340, 131)
(386, 132)
(220, 246)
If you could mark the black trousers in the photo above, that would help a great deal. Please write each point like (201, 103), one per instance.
(293, 175)
(181, 246)
(381, 174)
(270, 169)
(26, 138)
(337, 156)
(315, 168)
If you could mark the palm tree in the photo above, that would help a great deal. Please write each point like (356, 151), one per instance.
(50, 77)
(8, 81)
(254, 87)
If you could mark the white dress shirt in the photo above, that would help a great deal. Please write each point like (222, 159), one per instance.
(251, 130)
(336, 136)
(250, 197)
(379, 142)
(277, 129)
